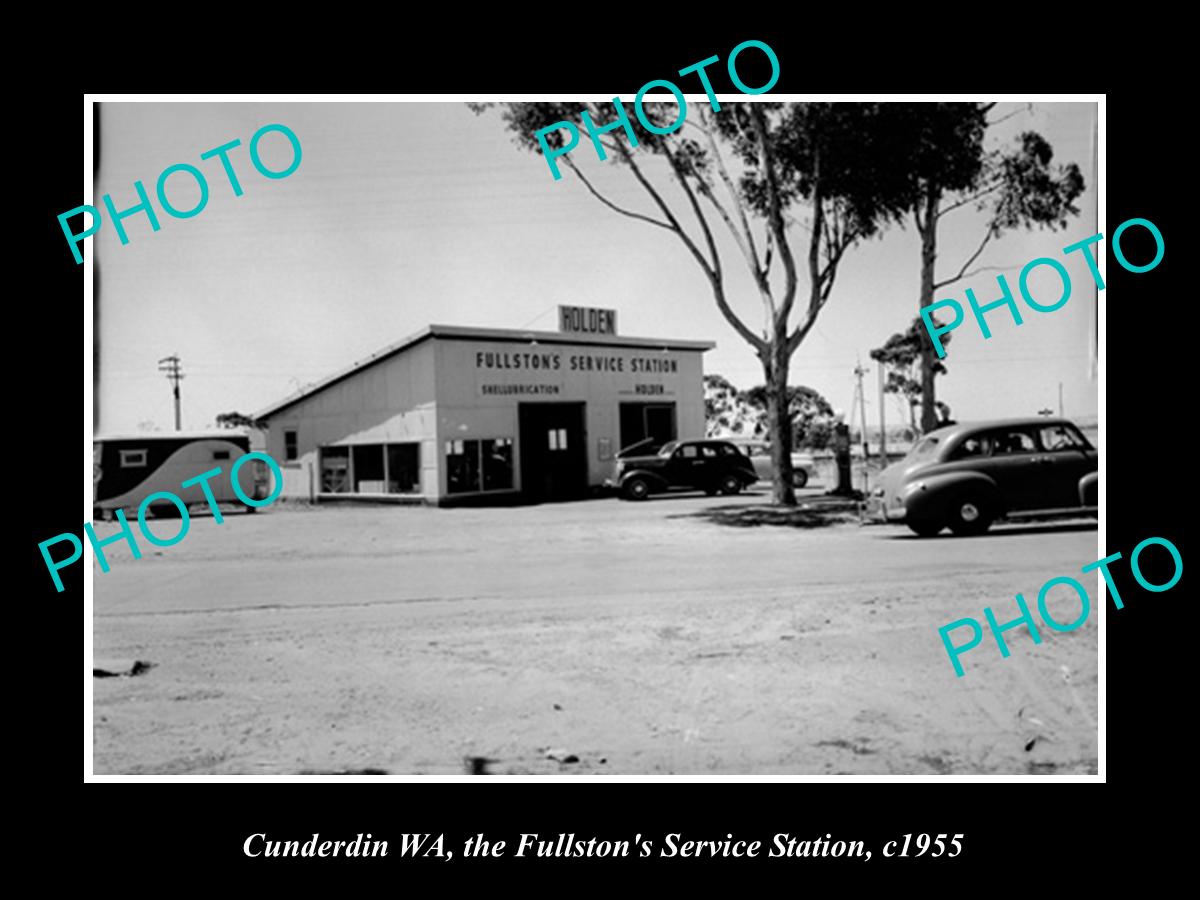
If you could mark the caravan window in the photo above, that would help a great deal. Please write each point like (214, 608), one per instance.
(133, 459)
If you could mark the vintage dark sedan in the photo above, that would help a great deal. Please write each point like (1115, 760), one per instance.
(966, 476)
(710, 466)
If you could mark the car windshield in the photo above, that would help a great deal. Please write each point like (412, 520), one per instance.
(668, 448)
(926, 449)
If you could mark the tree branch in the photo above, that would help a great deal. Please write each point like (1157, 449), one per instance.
(666, 210)
(625, 212)
(1016, 112)
(814, 268)
(681, 177)
(707, 192)
(757, 273)
(775, 217)
(974, 256)
(752, 255)
(975, 272)
(834, 257)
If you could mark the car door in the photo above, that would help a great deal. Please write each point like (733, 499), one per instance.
(1019, 468)
(714, 464)
(1069, 457)
(686, 467)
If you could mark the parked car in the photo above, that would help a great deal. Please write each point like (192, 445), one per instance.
(710, 466)
(967, 476)
(759, 451)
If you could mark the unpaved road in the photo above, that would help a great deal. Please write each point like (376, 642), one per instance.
(639, 637)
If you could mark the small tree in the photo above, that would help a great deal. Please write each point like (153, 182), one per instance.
(940, 156)
(730, 411)
(235, 420)
(901, 358)
(747, 167)
(808, 411)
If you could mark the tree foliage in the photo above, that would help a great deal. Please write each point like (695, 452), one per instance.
(900, 355)
(733, 412)
(726, 412)
(235, 420)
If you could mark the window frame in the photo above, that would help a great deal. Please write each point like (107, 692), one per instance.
(127, 456)
(1082, 445)
(956, 455)
(1027, 431)
(387, 469)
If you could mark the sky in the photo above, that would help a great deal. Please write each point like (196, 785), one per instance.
(402, 215)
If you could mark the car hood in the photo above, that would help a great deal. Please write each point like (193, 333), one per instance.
(642, 462)
(632, 450)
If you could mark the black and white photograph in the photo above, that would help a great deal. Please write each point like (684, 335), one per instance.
(720, 433)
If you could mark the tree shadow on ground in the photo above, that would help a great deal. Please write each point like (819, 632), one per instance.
(753, 516)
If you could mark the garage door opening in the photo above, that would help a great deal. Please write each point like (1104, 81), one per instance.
(553, 451)
(647, 421)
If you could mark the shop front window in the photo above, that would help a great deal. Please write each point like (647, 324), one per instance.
(474, 466)
(371, 469)
(368, 469)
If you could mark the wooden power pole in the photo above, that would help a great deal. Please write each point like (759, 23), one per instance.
(170, 365)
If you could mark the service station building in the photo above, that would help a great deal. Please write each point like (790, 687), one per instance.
(457, 414)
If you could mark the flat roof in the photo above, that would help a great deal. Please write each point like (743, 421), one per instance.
(202, 434)
(499, 335)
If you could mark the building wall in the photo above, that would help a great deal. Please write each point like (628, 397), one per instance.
(392, 401)
(480, 384)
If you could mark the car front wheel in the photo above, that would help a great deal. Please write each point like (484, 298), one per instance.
(637, 489)
(970, 516)
(799, 478)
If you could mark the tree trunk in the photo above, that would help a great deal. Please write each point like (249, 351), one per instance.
(928, 356)
(779, 420)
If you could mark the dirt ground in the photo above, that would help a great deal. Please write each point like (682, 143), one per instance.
(636, 638)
